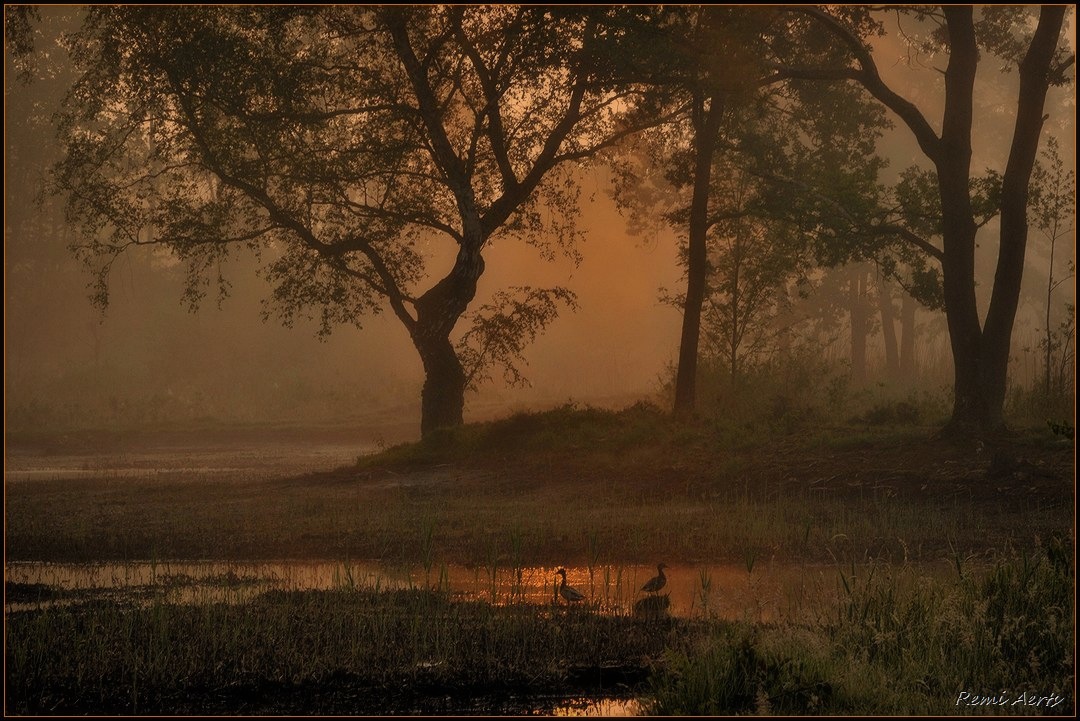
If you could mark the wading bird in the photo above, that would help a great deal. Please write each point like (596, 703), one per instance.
(657, 582)
(572, 595)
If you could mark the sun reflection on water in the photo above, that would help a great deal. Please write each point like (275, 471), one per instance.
(770, 593)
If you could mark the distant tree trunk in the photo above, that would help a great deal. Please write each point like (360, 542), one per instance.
(859, 323)
(907, 338)
(888, 329)
(705, 116)
(1048, 338)
(735, 335)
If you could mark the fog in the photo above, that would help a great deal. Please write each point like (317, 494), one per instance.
(236, 366)
(148, 359)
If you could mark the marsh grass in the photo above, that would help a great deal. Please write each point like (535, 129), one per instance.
(892, 647)
(704, 591)
(161, 657)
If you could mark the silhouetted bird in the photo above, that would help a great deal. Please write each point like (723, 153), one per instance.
(657, 582)
(572, 595)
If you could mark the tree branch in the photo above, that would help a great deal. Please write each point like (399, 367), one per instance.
(869, 77)
(496, 133)
(906, 234)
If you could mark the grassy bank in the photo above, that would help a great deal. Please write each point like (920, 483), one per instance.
(576, 486)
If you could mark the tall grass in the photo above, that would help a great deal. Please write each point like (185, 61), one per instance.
(191, 658)
(891, 648)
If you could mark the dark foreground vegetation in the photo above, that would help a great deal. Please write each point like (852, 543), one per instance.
(883, 652)
(1008, 631)
(872, 498)
(345, 651)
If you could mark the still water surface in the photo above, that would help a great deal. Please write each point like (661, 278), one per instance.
(765, 593)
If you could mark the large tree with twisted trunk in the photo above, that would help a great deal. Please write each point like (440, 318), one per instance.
(349, 147)
(980, 347)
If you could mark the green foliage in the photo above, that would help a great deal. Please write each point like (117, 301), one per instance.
(739, 672)
(1052, 210)
(501, 329)
(792, 393)
(1006, 31)
(19, 23)
(1054, 392)
(1053, 189)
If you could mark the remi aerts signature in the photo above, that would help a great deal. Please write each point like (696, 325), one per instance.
(967, 698)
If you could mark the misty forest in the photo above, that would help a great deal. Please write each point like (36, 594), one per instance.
(559, 360)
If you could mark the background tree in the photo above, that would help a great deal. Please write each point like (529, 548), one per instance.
(752, 263)
(40, 277)
(980, 349)
(703, 59)
(738, 115)
(1053, 211)
(888, 328)
(340, 145)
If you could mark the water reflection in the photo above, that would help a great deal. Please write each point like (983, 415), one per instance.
(770, 593)
(599, 707)
(167, 462)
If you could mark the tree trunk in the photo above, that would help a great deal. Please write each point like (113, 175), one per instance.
(908, 307)
(735, 337)
(981, 354)
(888, 329)
(442, 400)
(1015, 183)
(438, 310)
(953, 163)
(706, 122)
(859, 321)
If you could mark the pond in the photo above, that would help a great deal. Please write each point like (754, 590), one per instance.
(765, 593)
(227, 461)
